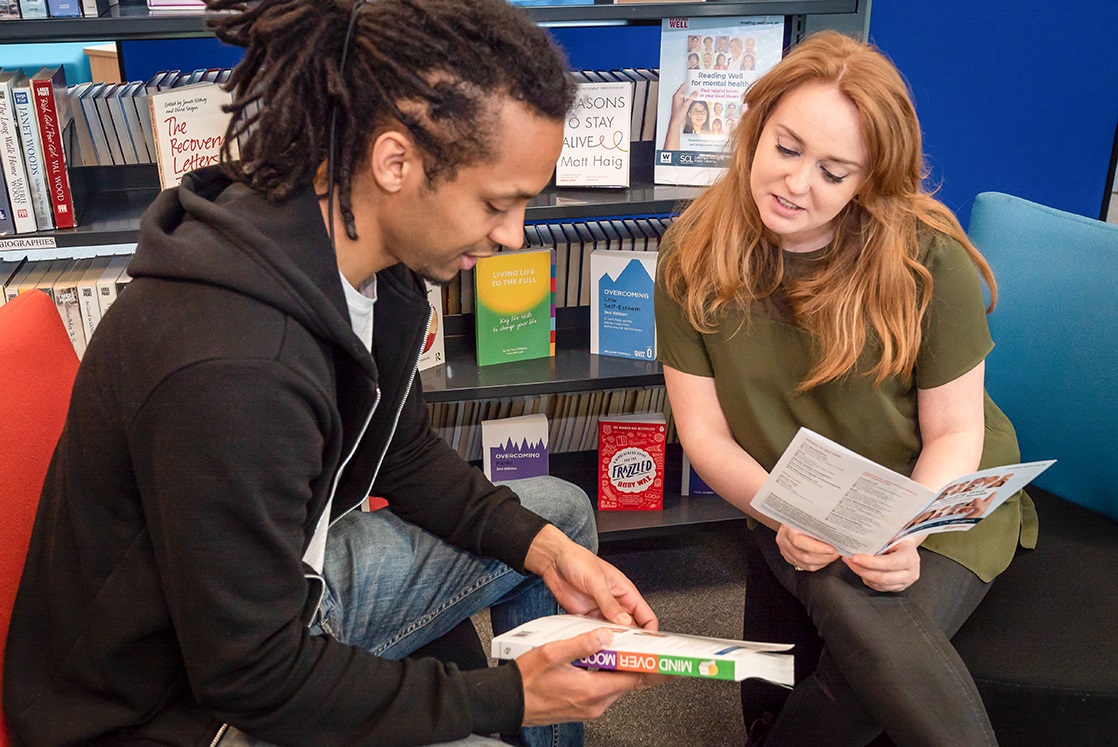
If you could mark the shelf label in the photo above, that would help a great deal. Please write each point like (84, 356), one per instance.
(32, 242)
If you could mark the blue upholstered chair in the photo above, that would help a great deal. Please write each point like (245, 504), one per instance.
(1041, 646)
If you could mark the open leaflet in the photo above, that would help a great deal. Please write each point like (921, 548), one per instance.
(860, 507)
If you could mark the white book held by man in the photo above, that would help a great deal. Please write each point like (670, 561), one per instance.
(655, 652)
(514, 448)
(596, 134)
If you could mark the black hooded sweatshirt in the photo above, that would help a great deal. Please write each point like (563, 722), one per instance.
(164, 593)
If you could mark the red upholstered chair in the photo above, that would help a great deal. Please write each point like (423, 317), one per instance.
(37, 369)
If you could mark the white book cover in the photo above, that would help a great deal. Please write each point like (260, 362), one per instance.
(706, 66)
(634, 649)
(32, 151)
(15, 172)
(596, 134)
(189, 127)
(861, 507)
(514, 448)
(622, 321)
(434, 349)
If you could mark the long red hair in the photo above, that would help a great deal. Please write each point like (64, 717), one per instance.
(872, 285)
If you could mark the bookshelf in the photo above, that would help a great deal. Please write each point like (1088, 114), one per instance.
(130, 20)
(115, 198)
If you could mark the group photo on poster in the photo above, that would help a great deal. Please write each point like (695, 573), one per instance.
(706, 66)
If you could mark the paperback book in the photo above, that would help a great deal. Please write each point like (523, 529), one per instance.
(48, 90)
(596, 137)
(434, 348)
(622, 320)
(706, 66)
(515, 306)
(631, 462)
(189, 125)
(514, 448)
(692, 484)
(655, 652)
(21, 213)
(860, 507)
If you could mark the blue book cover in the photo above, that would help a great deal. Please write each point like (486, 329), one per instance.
(692, 483)
(64, 8)
(622, 322)
(514, 448)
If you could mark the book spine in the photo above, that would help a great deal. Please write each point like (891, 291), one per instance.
(58, 177)
(93, 8)
(33, 157)
(9, 10)
(68, 303)
(21, 210)
(7, 226)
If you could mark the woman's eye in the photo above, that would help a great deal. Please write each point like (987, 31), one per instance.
(832, 178)
(786, 152)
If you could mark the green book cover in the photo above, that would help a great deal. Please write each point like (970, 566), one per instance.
(515, 306)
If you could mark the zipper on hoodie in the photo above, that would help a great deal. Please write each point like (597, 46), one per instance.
(334, 489)
(396, 418)
(219, 735)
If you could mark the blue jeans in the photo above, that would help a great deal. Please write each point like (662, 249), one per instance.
(392, 588)
(887, 660)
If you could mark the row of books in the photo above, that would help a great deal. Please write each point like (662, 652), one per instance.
(82, 289)
(114, 122)
(572, 417)
(14, 10)
(34, 119)
(631, 448)
(571, 242)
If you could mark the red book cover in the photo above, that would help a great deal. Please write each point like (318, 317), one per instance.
(631, 463)
(47, 85)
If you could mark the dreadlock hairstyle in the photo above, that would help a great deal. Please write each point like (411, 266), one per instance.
(871, 289)
(436, 67)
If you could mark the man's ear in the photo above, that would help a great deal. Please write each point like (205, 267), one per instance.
(392, 157)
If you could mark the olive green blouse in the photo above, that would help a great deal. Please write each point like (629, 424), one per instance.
(757, 360)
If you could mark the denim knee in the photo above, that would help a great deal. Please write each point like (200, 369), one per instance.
(563, 504)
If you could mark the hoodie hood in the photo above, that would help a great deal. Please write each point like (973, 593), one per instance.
(222, 233)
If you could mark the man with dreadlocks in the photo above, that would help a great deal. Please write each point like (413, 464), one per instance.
(197, 574)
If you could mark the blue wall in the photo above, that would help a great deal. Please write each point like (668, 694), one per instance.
(1017, 96)
(31, 57)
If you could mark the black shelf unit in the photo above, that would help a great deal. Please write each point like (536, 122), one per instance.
(131, 20)
(115, 197)
(111, 200)
(680, 513)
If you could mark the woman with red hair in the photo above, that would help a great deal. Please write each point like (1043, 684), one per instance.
(820, 284)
